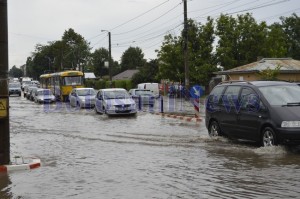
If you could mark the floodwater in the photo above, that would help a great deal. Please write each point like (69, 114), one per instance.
(86, 155)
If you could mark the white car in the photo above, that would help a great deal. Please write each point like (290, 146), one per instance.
(82, 97)
(44, 96)
(114, 101)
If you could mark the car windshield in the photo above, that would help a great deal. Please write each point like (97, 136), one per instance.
(281, 95)
(143, 92)
(117, 94)
(85, 92)
(45, 92)
(14, 85)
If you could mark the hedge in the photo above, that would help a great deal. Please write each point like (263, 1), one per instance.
(100, 84)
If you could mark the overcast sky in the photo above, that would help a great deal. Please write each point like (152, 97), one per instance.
(141, 23)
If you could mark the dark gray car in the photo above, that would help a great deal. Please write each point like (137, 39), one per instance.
(267, 112)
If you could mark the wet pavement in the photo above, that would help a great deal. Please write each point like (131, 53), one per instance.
(86, 155)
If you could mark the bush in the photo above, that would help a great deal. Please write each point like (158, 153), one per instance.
(100, 84)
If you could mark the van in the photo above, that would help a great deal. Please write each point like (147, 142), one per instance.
(266, 112)
(153, 87)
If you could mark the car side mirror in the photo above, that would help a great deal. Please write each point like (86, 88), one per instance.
(100, 97)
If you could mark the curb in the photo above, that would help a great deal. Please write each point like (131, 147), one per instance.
(35, 163)
(185, 118)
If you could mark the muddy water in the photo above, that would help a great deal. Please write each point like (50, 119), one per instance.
(85, 155)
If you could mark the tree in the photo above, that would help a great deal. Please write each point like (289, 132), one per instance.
(147, 73)
(241, 40)
(99, 57)
(276, 41)
(201, 58)
(291, 27)
(132, 58)
(270, 74)
(15, 72)
(203, 63)
(170, 58)
(77, 49)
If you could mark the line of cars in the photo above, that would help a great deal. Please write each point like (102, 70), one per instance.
(111, 101)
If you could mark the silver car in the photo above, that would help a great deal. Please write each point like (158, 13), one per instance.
(115, 101)
(143, 96)
(14, 88)
(44, 96)
(82, 97)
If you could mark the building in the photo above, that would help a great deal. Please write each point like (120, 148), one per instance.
(289, 71)
(127, 74)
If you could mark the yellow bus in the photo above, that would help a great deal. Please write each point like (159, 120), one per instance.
(62, 83)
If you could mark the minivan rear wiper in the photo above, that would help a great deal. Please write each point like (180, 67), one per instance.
(292, 104)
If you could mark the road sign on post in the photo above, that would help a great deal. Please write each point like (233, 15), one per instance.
(196, 91)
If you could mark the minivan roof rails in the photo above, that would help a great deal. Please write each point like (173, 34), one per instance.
(235, 81)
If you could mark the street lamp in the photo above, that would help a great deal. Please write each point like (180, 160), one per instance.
(109, 53)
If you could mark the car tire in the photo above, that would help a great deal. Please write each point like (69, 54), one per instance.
(214, 129)
(268, 137)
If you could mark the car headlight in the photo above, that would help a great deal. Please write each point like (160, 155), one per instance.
(290, 124)
(133, 106)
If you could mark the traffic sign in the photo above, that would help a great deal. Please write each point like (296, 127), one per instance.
(196, 91)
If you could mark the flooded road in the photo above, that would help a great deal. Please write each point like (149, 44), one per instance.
(86, 155)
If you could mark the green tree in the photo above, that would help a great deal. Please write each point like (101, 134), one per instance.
(241, 40)
(276, 41)
(170, 58)
(77, 50)
(15, 72)
(202, 62)
(147, 73)
(291, 27)
(201, 58)
(99, 57)
(132, 58)
(270, 74)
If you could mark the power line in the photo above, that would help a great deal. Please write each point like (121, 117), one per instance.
(150, 21)
(258, 7)
(281, 14)
(139, 15)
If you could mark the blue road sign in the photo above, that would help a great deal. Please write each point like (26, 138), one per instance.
(196, 91)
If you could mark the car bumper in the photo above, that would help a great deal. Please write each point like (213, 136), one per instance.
(121, 112)
(17, 92)
(46, 101)
(289, 135)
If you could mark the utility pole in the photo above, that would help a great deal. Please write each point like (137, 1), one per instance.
(109, 54)
(4, 99)
(186, 55)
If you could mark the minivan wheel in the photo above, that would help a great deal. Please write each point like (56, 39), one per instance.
(214, 129)
(268, 137)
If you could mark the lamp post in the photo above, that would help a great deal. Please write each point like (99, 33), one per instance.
(109, 53)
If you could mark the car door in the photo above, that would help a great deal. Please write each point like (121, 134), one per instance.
(229, 109)
(99, 102)
(251, 114)
(73, 98)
